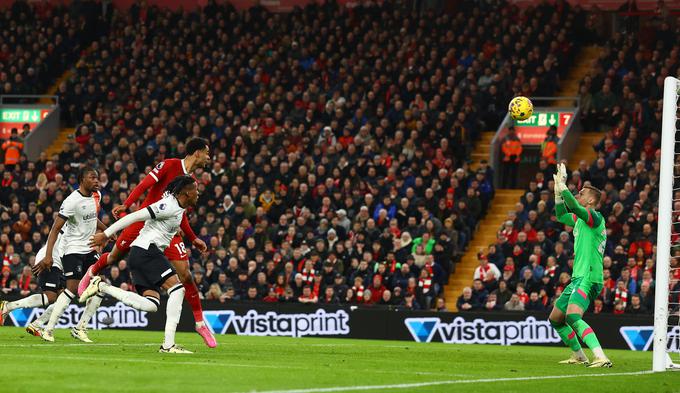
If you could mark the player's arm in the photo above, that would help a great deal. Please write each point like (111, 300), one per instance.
(136, 193)
(563, 214)
(46, 262)
(189, 232)
(587, 215)
(100, 238)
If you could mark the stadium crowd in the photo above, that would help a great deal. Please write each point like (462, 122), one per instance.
(339, 143)
(39, 40)
(531, 262)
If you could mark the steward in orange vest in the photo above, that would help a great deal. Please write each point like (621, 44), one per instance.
(549, 146)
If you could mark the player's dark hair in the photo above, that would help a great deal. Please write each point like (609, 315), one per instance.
(594, 191)
(178, 184)
(84, 170)
(196, 144)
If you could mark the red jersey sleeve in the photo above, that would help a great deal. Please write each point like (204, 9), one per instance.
(158, 174)
(186, 228)
(140, 189)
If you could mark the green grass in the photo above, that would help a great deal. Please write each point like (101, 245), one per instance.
(127, 361)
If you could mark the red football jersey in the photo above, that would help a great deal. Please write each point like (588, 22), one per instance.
(157, 181)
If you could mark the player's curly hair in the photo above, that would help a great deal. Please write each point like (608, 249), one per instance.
(84, 170)
(177, 184)
(196, 144)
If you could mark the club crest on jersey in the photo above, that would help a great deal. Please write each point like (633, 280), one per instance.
(161, 206)
(160, 165)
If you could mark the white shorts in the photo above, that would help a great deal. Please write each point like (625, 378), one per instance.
(56, 254)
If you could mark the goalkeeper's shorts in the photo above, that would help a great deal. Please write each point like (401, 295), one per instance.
(581, 292)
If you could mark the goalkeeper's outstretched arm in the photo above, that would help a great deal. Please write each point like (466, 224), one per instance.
(581, 212)
(562, 213)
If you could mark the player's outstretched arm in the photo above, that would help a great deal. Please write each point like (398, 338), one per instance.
(100, 238)
(561, 211)
(149, 180)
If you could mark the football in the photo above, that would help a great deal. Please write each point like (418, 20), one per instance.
(520, 108)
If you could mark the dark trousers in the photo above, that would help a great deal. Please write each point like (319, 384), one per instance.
(510, 170)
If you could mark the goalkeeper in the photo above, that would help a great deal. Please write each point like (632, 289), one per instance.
(590, 236)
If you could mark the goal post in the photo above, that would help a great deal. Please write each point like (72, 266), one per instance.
(661, 358)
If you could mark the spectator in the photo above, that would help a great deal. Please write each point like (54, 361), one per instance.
(466, 301)
(492, 303)
(514, 304)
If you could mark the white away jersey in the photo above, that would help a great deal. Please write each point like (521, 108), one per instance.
(166, 217)
(56, 253)
(80, 213)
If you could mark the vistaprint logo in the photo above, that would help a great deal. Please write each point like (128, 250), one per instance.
(638, 338)
(117, 316)
(479, 331)
(320, 323)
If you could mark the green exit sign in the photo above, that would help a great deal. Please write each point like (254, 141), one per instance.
(20, 115)
(542, 119)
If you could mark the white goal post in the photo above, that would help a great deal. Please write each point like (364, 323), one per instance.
(661, 358)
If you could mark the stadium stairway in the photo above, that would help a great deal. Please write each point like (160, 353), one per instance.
(570, 85)
(57, 145)
(482, 148)
(504, 201)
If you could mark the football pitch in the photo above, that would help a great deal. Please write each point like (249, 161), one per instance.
(127, 361)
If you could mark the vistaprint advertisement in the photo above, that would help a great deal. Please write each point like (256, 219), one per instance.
(480, 331)
(117, 315)
(395, 323)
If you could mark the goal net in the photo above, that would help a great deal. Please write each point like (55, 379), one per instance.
(667, 298)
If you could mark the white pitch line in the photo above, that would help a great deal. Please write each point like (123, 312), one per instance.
(53, 345)
(190, 363)
(451, 382)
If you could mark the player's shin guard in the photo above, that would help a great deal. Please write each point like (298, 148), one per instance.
(101, 263)
(584, 331)
(141, 303)
(37, 300)
(567, 334)
(191, 294)
(91, 307)
(173, 311)
(60, 305)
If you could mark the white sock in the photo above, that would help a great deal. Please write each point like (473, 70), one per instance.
(60, 305)
(139, 302)
(173, 312)
(45, 316)
(37, 300)
(599, 353)
(90, 309)
(579, 354)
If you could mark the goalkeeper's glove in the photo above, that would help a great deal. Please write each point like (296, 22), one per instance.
(559, 187)
(562, 173)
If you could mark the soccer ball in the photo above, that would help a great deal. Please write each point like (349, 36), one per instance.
(520, 108)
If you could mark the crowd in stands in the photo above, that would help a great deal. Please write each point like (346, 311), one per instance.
(531, 263)
(340, 139)
(39, 40)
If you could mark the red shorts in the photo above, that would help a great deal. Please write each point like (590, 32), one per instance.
(176, 251)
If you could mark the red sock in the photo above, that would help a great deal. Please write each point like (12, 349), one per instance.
(191, 294)
(101, 263)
